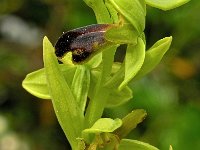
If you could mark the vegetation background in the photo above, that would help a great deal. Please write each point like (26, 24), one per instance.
(170, 94)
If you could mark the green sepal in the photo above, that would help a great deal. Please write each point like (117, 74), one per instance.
(36, 84)
(153, 56)
(134, 59)
(166, 4)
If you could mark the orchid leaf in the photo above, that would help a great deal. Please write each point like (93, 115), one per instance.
(64, 103)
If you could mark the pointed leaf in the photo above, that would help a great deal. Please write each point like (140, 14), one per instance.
(80, 86)
(65, 106)
(153, 56)
(127, 144)
(36, 83)
(133, 61)
(133, 11)
(166, 4)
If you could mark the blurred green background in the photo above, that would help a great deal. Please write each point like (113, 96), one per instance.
(170, 94)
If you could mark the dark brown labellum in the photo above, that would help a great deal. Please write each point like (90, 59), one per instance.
(82, 42)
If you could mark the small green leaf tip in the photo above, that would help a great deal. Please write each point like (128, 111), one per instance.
(166, 4)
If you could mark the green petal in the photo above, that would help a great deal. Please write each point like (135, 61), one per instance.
(166, 4)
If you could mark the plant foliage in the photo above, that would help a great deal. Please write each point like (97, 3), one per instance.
(80, 92)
